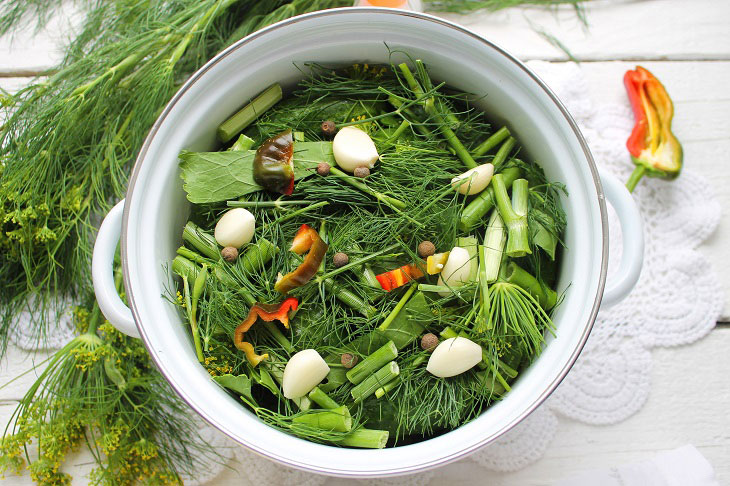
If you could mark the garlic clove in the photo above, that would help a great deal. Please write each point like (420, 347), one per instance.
(303, 371)
(235, 228)
(354, 148)
(474, 180)
(453, 357)
(457, 269)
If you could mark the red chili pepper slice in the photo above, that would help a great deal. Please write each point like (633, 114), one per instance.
(265, 312)
(305, 239)
(399, 277)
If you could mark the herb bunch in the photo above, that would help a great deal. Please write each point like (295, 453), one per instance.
(102, 390)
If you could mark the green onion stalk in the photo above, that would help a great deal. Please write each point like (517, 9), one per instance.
(513, 214)
(490, 259)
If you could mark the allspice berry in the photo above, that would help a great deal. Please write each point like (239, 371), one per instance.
(429, 342)
(328, 128)
(323, 168)
(361, 172)
(340, 259)
(426, 249)
(229, 254)
(348, 360)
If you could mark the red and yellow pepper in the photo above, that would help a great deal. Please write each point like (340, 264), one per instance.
(399, 277)
(306, 239)
(652, 145)
(265, 312)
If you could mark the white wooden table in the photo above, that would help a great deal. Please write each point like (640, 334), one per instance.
(687, 45)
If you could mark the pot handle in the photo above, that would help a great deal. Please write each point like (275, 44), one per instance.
(102, 273)
(620, 284)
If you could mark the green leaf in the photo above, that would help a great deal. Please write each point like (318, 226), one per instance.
(218, 176)
(240, 384)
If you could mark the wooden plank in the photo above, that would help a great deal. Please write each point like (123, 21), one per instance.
(652, 29)
(29, 51)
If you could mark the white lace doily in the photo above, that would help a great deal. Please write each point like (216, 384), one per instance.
(676, 301)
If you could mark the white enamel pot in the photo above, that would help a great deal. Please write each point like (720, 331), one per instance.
(151, 219)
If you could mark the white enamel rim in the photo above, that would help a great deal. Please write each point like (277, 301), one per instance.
(425, 462)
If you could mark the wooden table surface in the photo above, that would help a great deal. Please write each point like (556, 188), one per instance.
(687, 45)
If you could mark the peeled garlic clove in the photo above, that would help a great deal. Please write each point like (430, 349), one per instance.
(235, 228)
(457, 269)
(354, 148)
(453, 357)
(303, 371)
(474, 180)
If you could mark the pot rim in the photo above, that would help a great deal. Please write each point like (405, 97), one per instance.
(468, 449)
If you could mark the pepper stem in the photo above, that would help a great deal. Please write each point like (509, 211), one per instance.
(635, 177)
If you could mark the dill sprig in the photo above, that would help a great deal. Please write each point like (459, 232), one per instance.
(101, 389)
(68, 140)
(463, 6)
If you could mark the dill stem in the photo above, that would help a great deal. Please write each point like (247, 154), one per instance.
(344, 295)
(280, 338)
(390, 113)
(495, 139)
(380, 392)
(355, 263)
(423, 73)
(192, 256)
(396, 134)
(201, 240)
(118, 69)
(389, 201)
(278, 204)
(399, 306)
(219, 7)
(431, 109)
(403, 110)
(95, 318)
(296, 213)
(503, 152)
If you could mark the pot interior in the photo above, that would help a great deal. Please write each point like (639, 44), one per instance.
(156, 210)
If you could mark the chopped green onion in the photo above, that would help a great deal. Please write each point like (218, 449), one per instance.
(514, 215)
(244, 117)
(366, 439)
(484, 201)
(375, 381)
(322, 399)
(372, 363)
(243, 143)
(337, 419)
